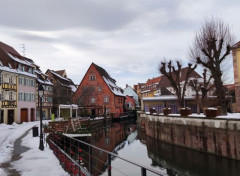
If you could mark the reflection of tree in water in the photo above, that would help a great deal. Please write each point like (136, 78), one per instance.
(182, 161)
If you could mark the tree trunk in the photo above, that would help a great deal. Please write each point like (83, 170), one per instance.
(198, 104)
(221, 95)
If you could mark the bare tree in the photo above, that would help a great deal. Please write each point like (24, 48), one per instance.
(203, 86)
(210, 49)
(86, 93)
(174, 76)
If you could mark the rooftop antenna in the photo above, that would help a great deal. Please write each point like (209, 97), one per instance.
(23, 49)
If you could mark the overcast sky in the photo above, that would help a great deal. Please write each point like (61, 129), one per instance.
(128, 38)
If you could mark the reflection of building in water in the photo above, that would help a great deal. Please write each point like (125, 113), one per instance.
(110, 139)
(182, 161)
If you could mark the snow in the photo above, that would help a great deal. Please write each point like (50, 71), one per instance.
(34, 161)
(59, 75)
(74, 89)
(25, 62)
(44, 82)
(3, 68)
(230, 116)
(116, 90)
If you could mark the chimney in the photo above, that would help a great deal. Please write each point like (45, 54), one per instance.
(126, 85)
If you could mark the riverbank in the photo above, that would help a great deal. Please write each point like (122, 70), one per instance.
(220, 136)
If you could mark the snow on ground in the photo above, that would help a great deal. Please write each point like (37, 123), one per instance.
(34, 161)
(8, 135)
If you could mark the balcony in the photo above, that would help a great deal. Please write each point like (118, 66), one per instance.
(8, 87)
(9, 104)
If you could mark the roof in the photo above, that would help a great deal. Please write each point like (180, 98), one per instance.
(9, 49)
(153, 80)
(67, 82)
(236, 45)
(60, 72)
(109, 81)
(103, 72)
(164, 82)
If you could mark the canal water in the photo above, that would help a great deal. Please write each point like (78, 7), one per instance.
(126, 140)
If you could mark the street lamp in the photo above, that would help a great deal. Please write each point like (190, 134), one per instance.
(40, 94)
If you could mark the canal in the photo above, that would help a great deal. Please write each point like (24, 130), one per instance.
(126, 140)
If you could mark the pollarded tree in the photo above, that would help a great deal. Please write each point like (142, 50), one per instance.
(174, 76)
(203, 86)
(210, 49)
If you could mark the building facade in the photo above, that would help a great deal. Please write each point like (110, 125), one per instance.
(129, 91)
(98, 92)
(236, 68)
(8, 95)
(62, 89)
(18, 81)
(47, 100)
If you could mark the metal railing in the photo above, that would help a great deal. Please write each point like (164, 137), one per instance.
(81, 158)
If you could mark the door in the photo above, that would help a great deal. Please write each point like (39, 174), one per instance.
(10, 116)
(1, 117)
(24, 115)
(32, 115)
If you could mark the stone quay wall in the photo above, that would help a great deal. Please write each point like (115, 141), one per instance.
(216, 136)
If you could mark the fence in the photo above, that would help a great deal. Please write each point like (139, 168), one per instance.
(79, 158)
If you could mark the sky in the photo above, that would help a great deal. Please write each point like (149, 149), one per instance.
(128, 39)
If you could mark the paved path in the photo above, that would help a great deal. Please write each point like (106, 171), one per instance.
(18, 150)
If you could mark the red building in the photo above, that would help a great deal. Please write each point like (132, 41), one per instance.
(98, 91)
(130, 103)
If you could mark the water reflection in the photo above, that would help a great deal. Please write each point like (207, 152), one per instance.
(182, 161)
(125, 140)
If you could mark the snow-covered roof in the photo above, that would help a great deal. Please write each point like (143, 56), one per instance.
(44, 82)
(74, 89)
(113, 87)
(145, 91)
(67, 79)
(25, 62)
(73, 106)
(3, 68)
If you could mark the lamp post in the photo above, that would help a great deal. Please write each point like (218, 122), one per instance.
(40, 94)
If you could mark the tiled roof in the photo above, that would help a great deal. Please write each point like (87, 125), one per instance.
(109, 81)
(103, 72)
(153, 80)
(9, 49)
(60, 72)
(237, 44)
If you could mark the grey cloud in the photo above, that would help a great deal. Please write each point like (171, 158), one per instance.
(57, 15)
(36, 38)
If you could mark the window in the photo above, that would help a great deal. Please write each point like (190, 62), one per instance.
(10, 66)
(92, 77)
(20, 67)
(50, 99)
(21, 80)
(106, 99)
(10, 79)
(99, 88)
(92, 100)
(1, 78)
(20, 96)
(1, 64)
(10, 95)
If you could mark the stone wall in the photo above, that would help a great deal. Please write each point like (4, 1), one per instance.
(216, 136)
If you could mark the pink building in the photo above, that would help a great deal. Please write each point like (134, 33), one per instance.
(26, 108)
